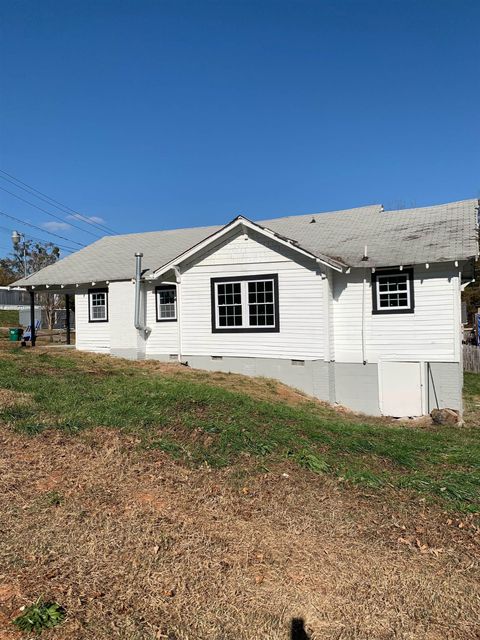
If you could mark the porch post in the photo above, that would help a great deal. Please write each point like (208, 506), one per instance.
(32, 317)
(67, 316)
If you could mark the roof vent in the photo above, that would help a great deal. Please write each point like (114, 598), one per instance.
(365, 254)
(312, 221)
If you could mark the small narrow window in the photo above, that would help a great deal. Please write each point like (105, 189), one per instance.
(392, 291)
(245, 303)
(166, 301)
(98, 305)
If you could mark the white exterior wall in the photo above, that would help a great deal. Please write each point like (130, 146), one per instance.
(431, 333)
(301, 292)
(163, 340)
(320, 315)
(124, 338)
(89, 336)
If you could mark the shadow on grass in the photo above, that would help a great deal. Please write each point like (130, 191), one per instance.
(297, 630)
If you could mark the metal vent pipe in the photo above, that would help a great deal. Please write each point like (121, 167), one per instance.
(138, 278)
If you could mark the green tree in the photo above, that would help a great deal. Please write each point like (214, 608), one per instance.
(37, 256)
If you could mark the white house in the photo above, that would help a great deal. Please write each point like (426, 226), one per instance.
(358, 307)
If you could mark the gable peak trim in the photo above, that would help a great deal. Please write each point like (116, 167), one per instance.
(242, 221)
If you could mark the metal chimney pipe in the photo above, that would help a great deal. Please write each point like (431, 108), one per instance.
(138, 276)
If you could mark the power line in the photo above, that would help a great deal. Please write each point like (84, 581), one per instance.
(76, 216)
(55, 203)
(50, 214)
(34, 226)
(29, 237)
(11, 251)
(9, 230)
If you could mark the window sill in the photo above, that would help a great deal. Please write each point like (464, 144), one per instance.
(246, 330)
(383, 312)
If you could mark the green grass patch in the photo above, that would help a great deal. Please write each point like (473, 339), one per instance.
(202, 423)
(9, 318)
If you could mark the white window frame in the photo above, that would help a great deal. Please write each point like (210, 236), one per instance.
(91, 306)
(379, 278)
(158, 304)
(245, 327)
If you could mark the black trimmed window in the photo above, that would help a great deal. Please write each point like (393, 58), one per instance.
(98, 305)
(166, 303)
(245, 304)
(392, 291)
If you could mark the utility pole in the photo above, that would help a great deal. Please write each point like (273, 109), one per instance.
(16, 239)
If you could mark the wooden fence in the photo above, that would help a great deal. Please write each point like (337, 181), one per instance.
(471, 358)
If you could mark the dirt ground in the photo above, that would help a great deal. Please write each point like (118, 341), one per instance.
(138, 547)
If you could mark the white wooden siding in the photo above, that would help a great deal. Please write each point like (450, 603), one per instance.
(300, 301)
(123, 335)
(163, 339)
(430, 333)
(89, 336)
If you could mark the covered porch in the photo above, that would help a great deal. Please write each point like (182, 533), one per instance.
(65, 294)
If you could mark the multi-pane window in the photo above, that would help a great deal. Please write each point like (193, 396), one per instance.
(248, 303)
(261, 308)
(166, 297)
(97, 305)
(229, 304)
(393, 291)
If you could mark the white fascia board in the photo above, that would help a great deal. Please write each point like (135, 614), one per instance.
(241, 222)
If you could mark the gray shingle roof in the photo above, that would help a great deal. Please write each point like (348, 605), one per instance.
(409, 236)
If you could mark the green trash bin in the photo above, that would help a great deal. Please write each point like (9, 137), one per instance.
(15, 334)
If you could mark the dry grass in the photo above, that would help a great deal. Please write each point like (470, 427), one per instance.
(10, 398)
(137, 547)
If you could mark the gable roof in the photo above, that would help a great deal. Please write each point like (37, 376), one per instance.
(243, 223)
(438, 233)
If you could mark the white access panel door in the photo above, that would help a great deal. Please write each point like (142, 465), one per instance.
(401, 389)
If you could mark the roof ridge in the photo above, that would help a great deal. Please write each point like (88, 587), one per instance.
(465, 202)
(324, 213)
(176, 229)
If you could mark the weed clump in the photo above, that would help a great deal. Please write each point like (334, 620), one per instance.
(40, 616)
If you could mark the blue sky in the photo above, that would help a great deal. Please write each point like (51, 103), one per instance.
(152, 115)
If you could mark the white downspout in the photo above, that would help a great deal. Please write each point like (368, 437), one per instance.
(178, 278)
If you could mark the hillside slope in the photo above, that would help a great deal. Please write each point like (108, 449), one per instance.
(152, 501)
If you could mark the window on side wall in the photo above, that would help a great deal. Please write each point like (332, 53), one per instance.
(245, 304)
(392, 291)
(166, 303)
(98, 305)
